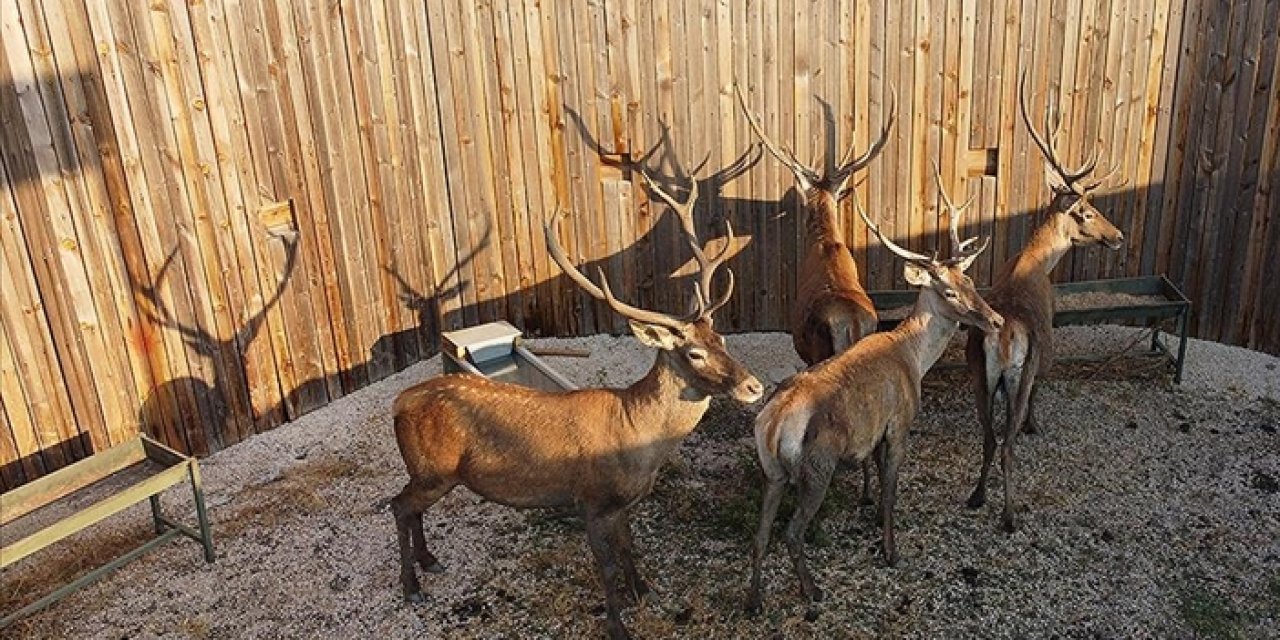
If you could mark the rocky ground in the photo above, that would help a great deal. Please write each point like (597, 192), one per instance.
(1148, 510)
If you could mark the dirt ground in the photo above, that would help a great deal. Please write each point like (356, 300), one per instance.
(1148, 510)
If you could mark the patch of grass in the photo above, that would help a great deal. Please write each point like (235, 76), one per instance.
(296, 492)
(51, 568)
(737, 511)
(1208, 614)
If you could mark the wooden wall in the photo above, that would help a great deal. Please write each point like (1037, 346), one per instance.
(219, 215)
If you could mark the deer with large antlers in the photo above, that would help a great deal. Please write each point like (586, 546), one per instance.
(1010, 360)
(832, 310)
(860, 403)
(595, 450)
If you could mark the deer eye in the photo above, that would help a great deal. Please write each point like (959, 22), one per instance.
(951, 294)
(697, 355)
(1088, 215)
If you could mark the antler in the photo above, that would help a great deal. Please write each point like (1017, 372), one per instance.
(905, 254)
(953, 213)
(603, 292)
(1052, 123)
(805, 176)
(848, 167)
(964, 253)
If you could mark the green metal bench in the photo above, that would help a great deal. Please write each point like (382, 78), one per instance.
(1160, 300)
(163, 468)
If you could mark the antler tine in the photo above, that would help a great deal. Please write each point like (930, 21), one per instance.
(875, 228)
(1045, 147)
(621, 308)
(1094, 184)
(953, 212)
(847, 167)
(804, 175)
(1086, 168)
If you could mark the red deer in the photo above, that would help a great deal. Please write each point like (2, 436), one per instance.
(861, 402)
(1009, 360)
(832, 311)
(595, 450)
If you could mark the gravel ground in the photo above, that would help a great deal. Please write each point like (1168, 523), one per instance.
(1148, 510)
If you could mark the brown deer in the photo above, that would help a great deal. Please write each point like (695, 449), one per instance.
(1009, 360)
(860, 402)
(596, 450)
(832, 311)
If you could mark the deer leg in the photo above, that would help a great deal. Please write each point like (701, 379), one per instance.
(986, 398)
(815, 477)
(1022, 381)
(893, 454)
(866, 484)
(599, 527)
(407, 508)
(768, 512)
(1031, 425)
(620, 539)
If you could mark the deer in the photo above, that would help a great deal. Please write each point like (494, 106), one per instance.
(1010, 360)
(832, 310)
(596, 450)
(859, 404)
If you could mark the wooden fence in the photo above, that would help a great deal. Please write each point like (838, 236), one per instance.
(219, 215)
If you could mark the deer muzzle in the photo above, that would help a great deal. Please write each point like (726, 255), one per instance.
(748, 391)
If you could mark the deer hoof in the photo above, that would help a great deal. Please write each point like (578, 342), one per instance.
(1008, 525)
(433, 566)
(753, 607)
(414, 598)
(814, 594)
(618, 632)
(976, 499)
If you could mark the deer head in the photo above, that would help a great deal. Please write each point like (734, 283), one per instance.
(808, 178)
(1071, 189)
(695, 351)
(945, 280)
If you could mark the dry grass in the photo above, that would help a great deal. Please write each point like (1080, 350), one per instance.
(296, 492)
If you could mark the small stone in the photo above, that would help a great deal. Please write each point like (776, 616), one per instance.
(1132, 424)
(969, 575)
(1184, 427)
(811, 615)
(1107, 536)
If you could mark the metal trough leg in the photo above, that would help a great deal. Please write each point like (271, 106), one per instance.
(197, 490)
(1182, 344)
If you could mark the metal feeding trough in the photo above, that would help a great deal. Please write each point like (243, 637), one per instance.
(1150, 300)
(494, 351)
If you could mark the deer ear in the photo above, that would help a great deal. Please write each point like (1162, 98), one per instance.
(653, 335)
(916, 275)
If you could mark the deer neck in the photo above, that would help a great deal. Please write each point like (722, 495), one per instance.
(924, 334)
(663, 400)
(1047, 246)
(823, 219)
